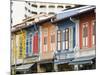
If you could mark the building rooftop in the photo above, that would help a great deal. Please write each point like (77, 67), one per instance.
(54, 18)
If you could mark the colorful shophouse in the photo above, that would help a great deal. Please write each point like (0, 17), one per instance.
(25, 46)
(86, 55)
(62, 42)
(47, 45)
(31, 43)
(72, 35)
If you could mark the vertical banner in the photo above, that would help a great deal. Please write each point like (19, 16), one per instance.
(23, 44)
(17, 52)
(14, 48)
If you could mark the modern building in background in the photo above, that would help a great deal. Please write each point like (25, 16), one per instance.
(24, 9)
(35, 8)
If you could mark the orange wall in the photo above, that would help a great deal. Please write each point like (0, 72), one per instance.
(47, 54)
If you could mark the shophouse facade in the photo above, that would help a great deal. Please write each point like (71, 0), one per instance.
(62, 42)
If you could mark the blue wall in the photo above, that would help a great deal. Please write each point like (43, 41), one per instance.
(29, 30)
(65, 24)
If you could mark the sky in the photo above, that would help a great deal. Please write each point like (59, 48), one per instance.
(18, 7)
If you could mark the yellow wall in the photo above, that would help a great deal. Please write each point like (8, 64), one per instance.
(18, 37)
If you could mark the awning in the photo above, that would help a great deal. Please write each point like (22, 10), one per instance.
(82, 60)
(24, 66)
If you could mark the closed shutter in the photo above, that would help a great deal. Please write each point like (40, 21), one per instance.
(58, 40)
(85, 34)
(71, 38)
(30, 45)
(35, 43)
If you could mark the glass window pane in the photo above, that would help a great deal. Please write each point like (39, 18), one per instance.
(67, 44)
(63, 45)
(59, 45)
(59, 35)
(67, 34)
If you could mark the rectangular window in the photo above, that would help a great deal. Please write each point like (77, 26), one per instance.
(45, 39)
(29, 43)
(63, 39)
(52, 41)
(71, 41)
(53, 38)
(93, 32)
(85, 35)
(67, 39)
(59, 40)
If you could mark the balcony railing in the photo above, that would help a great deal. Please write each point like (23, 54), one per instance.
(63, 56)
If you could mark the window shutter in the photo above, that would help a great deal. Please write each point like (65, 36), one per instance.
(35, 43)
